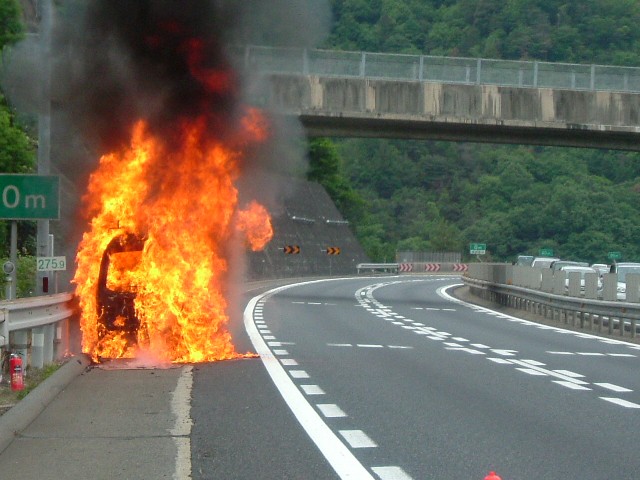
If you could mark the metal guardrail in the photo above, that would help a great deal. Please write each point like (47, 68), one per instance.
(34, 324)
(377, 267)
(426, 68)
(612, 317)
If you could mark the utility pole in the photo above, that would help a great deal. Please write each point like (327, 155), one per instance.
(44, 134)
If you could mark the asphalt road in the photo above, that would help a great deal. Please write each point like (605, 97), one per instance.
(417, 385)
(376, 377)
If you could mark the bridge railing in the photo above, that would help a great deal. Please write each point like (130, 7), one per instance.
(540, 292)
(427, 68)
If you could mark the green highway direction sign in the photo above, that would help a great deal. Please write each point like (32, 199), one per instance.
(478, 248)
(615, 255)
(29, 197)
(546, 252)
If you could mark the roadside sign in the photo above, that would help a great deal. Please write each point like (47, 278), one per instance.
(29, 197)
(615, 255)
(478, 248)
(546, 252)
(47, 264)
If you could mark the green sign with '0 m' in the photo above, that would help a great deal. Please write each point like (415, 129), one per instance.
(29, 197)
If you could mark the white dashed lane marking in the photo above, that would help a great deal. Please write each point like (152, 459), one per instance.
(365, 345)
(391, 473)
(532, 367)
(357, 439)
(614, 388)
(312, 389)
(331, 410)
(594, 354)
(571, 385)
(621, 402)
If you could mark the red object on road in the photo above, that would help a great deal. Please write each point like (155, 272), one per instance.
(16, 373)
(492, 476)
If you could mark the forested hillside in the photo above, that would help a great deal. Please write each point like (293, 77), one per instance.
(411, 195)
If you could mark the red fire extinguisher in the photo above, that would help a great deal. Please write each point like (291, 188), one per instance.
(15, 372)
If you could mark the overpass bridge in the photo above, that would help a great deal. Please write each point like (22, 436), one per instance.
(336, 93)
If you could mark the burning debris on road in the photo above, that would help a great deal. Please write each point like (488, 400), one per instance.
(178, 138)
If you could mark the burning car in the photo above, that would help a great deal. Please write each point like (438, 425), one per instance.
(117, 287)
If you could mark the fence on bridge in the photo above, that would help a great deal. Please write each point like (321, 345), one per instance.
(427, 68)
(428, 257)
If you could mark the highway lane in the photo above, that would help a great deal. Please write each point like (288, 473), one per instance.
(406, 383)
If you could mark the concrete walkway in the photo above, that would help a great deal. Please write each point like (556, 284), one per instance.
(99, 423)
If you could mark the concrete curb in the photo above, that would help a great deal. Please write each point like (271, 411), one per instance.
(27, 410)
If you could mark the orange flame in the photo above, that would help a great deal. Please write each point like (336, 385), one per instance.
(184, 205)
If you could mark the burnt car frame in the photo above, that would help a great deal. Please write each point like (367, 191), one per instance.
(116, 304)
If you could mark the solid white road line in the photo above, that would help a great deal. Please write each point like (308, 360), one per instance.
(345, 464)
(181, 408)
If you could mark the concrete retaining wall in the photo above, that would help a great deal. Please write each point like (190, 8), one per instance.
(309, 220)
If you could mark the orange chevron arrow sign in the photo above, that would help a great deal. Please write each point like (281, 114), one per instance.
(333, 250)
(291, 249)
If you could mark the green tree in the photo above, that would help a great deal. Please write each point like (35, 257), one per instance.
(517, 199)
(324, 168)
(11, 26)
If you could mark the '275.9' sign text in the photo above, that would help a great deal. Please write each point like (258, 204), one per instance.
(47, 264)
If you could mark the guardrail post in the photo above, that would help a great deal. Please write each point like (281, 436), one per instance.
(49, 336)
(61, 341)
(20, 344)
(37, 347)
(625, 82)
(610, 325)
(305, 62)
(547, 280)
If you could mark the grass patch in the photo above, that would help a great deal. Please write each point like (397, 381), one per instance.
(33, 378)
